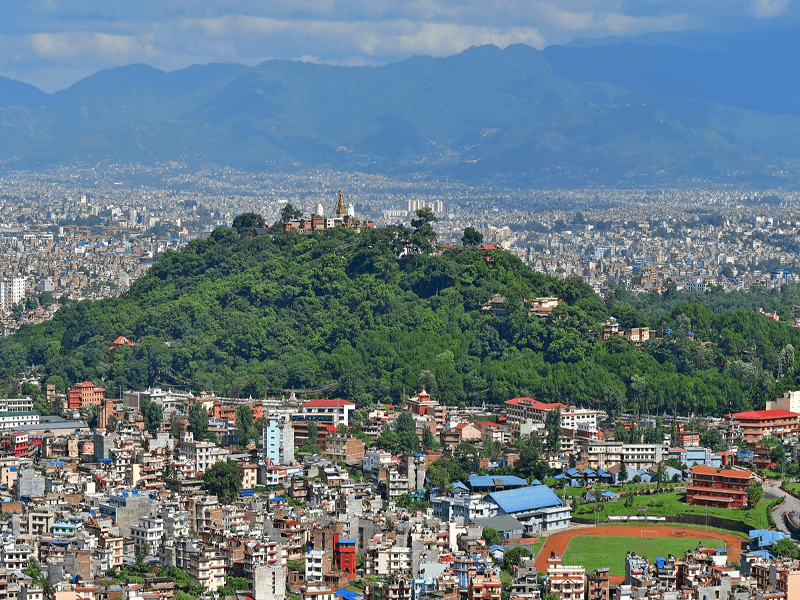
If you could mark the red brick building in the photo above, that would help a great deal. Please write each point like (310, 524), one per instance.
(85, 394)
(722, 488)
(344, 448)
(756, 424)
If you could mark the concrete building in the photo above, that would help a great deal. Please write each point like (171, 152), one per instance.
(568, 582)
(150, 531)
(329, 412)
(537, 507)
(269, 582)
(278, 441)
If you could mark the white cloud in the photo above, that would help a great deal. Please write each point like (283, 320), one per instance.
(767, 9)
(612, 21)
(102, 46)
(402, 36)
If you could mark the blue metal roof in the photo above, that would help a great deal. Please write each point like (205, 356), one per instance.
(492, 480)
(523, 499)
(347, 594)
(348, 541)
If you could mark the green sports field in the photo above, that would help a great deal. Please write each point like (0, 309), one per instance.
(597, 552)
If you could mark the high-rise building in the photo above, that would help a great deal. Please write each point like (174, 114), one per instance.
(278, 441)
(12, 291)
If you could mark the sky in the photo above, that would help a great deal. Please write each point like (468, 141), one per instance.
(54, 43)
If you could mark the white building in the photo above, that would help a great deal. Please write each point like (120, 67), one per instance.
(150, 530)
(374, 460)
(201, 454)
(11, 420)
(314, 560)
(16, 404)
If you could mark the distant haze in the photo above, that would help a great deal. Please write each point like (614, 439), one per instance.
(53, 43)
(664, 108)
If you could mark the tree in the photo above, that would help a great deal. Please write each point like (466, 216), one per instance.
(406, 429)
(613, 402)
(176, 426)
(552, 425)
(712, 438)
(512, 557)
(491, 536)
(152, 413)
(198, 421)
(245, 223)
(550, 596)
(754, 493)
(466, 454)
(530, 451)
(224, 479)
(427, 382)
(786, 547)
(310, 445)
(472, 237)
(428, 440)
(245, 428)
(778, 456)
(622, 475)
(424, 236)
(289, 212)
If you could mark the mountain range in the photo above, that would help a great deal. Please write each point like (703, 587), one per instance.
(649, 110)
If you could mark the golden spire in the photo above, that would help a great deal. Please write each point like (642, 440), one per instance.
(341, 209)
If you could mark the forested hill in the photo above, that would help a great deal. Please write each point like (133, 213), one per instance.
(241, 316)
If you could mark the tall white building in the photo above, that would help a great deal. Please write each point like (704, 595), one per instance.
(12, 291)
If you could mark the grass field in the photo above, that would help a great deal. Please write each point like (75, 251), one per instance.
(673, 503)
(597, 552)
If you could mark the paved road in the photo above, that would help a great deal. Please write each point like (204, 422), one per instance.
(772, 490)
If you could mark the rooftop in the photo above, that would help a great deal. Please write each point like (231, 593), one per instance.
(524, 499)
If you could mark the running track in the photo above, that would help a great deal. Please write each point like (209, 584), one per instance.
(558, 542)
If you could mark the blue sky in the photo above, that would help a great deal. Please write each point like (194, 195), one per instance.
(53, 43)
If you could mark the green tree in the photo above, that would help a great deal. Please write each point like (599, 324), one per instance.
(289, 213)
(428, 440)
(491, 536)
(622, 475)
(712, 438)
(224, 479)
(552, 425)
(472, 237)
(786, 547)
(512, 557)
(245, 223)
(754, 493)
(423, 236)
(176, 426)
(245, 427)
(530, 452)
(406, 429)
(198, 421)
(427, 382)
(153, 414)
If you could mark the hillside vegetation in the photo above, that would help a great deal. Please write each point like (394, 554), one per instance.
(244, 316)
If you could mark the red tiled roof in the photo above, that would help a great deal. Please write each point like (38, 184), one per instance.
(337, 403)
(536, 403)
(701, 470)
(766, 414)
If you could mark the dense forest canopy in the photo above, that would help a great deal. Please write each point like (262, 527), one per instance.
(243, 316)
